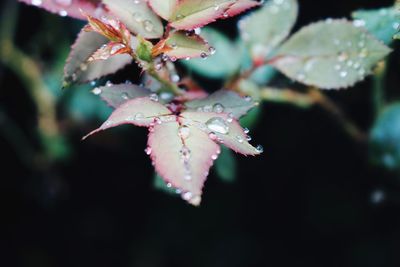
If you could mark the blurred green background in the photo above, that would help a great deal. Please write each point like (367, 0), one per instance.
(316, 197)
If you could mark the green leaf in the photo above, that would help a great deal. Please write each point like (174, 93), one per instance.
(330, 54)
(383, 23)
(143, 50)
(384, 138)
(224, 63)
(267, 27)
(223, 101)
(137, 16)
(186, 46)
(226, 166)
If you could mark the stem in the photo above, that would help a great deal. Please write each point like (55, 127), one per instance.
(378, 87)
(173, 88)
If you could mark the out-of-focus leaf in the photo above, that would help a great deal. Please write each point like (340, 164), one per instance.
(72, 8)
(223, 101)
(330, 54)
(78, 69)
(384, 138)
(224, 63)
(116, 94)
(383, 23)
(84, 106)
(223, 129)
(263, 75)
(181, 45)
(182, 155)
(251, 119)
(226, 166)
(267, 27)
(137, 16)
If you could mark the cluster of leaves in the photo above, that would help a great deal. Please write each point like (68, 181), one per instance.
(186, 125)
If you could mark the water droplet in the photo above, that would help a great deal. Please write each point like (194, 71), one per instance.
(212, 136)
(212, 50)
(97, 91)
(173, 59)
(63, 13)
(217, 125)
(207, 108)
(343, 74)
(148, 150)
(137, 17)
(343, 56)
(239, 139)
(139, 116)
(184, 132)
(214, 156)
(148, 25)
(203, 55)
(301, 76)
(169, 185)
(153, 97)
(36, 2)
(246, 130)
(109, 83)
(185, 153)
(175, 78)
(248, 98)
(359, 23)
(187, 196)
(218, 108)
(259, 149)
(125, 96)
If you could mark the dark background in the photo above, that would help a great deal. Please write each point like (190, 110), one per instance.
(312, 199)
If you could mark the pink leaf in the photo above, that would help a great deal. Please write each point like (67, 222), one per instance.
(182, 155)
(241, 6)
(222, 128)
(191, 14)
(139, 111)
(70, 8)
(137, 16)
(77, 69)
(163, 8)
(116, 95)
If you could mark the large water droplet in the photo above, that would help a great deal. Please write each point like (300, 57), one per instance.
(218, 108)
(184, 132)
(217, 125)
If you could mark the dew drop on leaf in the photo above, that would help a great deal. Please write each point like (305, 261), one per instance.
(217, 125)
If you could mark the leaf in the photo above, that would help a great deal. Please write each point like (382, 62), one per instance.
(115, 95)
(109, 50)
(383, 23)
(223, 101)
(77, 69)
(163, 8)
(329, 54)
(224, 63)
(240, 6)
(384, 138)
(226, 166)
(137, 17)
(183, 161)
(267, 27)
(139, 111)
(221, 128)
(180, 45)
(191, 14)
(71, 8)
